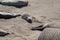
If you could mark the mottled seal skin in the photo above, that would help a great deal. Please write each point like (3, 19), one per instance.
(50, 34)
(47, 25)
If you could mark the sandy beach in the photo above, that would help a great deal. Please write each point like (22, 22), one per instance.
(44, 10)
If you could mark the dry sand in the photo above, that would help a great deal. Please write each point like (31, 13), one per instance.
(43, 10)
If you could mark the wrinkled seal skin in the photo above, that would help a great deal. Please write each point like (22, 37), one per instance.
(50, 34)
(18, 4)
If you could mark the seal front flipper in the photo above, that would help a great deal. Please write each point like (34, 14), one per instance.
(41, 27)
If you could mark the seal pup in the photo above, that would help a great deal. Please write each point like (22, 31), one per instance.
(4, 15)
(47, 25)
(27, 18)
(16, 3)
(30, 19)
(50, 34)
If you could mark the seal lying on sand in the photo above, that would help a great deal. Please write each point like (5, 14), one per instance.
(4, 15)
(27, 18)
(47, 25)
(50, 34)
(30, 19)
(3, 33)
(16, 3)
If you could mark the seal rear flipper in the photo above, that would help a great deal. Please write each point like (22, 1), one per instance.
(41, 28)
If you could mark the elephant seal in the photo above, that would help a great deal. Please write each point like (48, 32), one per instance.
(27, 18)
(16, 3)
(4, 15)
(47, 25)
(30, 19)
(50, 34)
(3, 33)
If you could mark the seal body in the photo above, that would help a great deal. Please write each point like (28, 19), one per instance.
(50, 34)
(3, 33)
(16, 3)
(4, 15)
